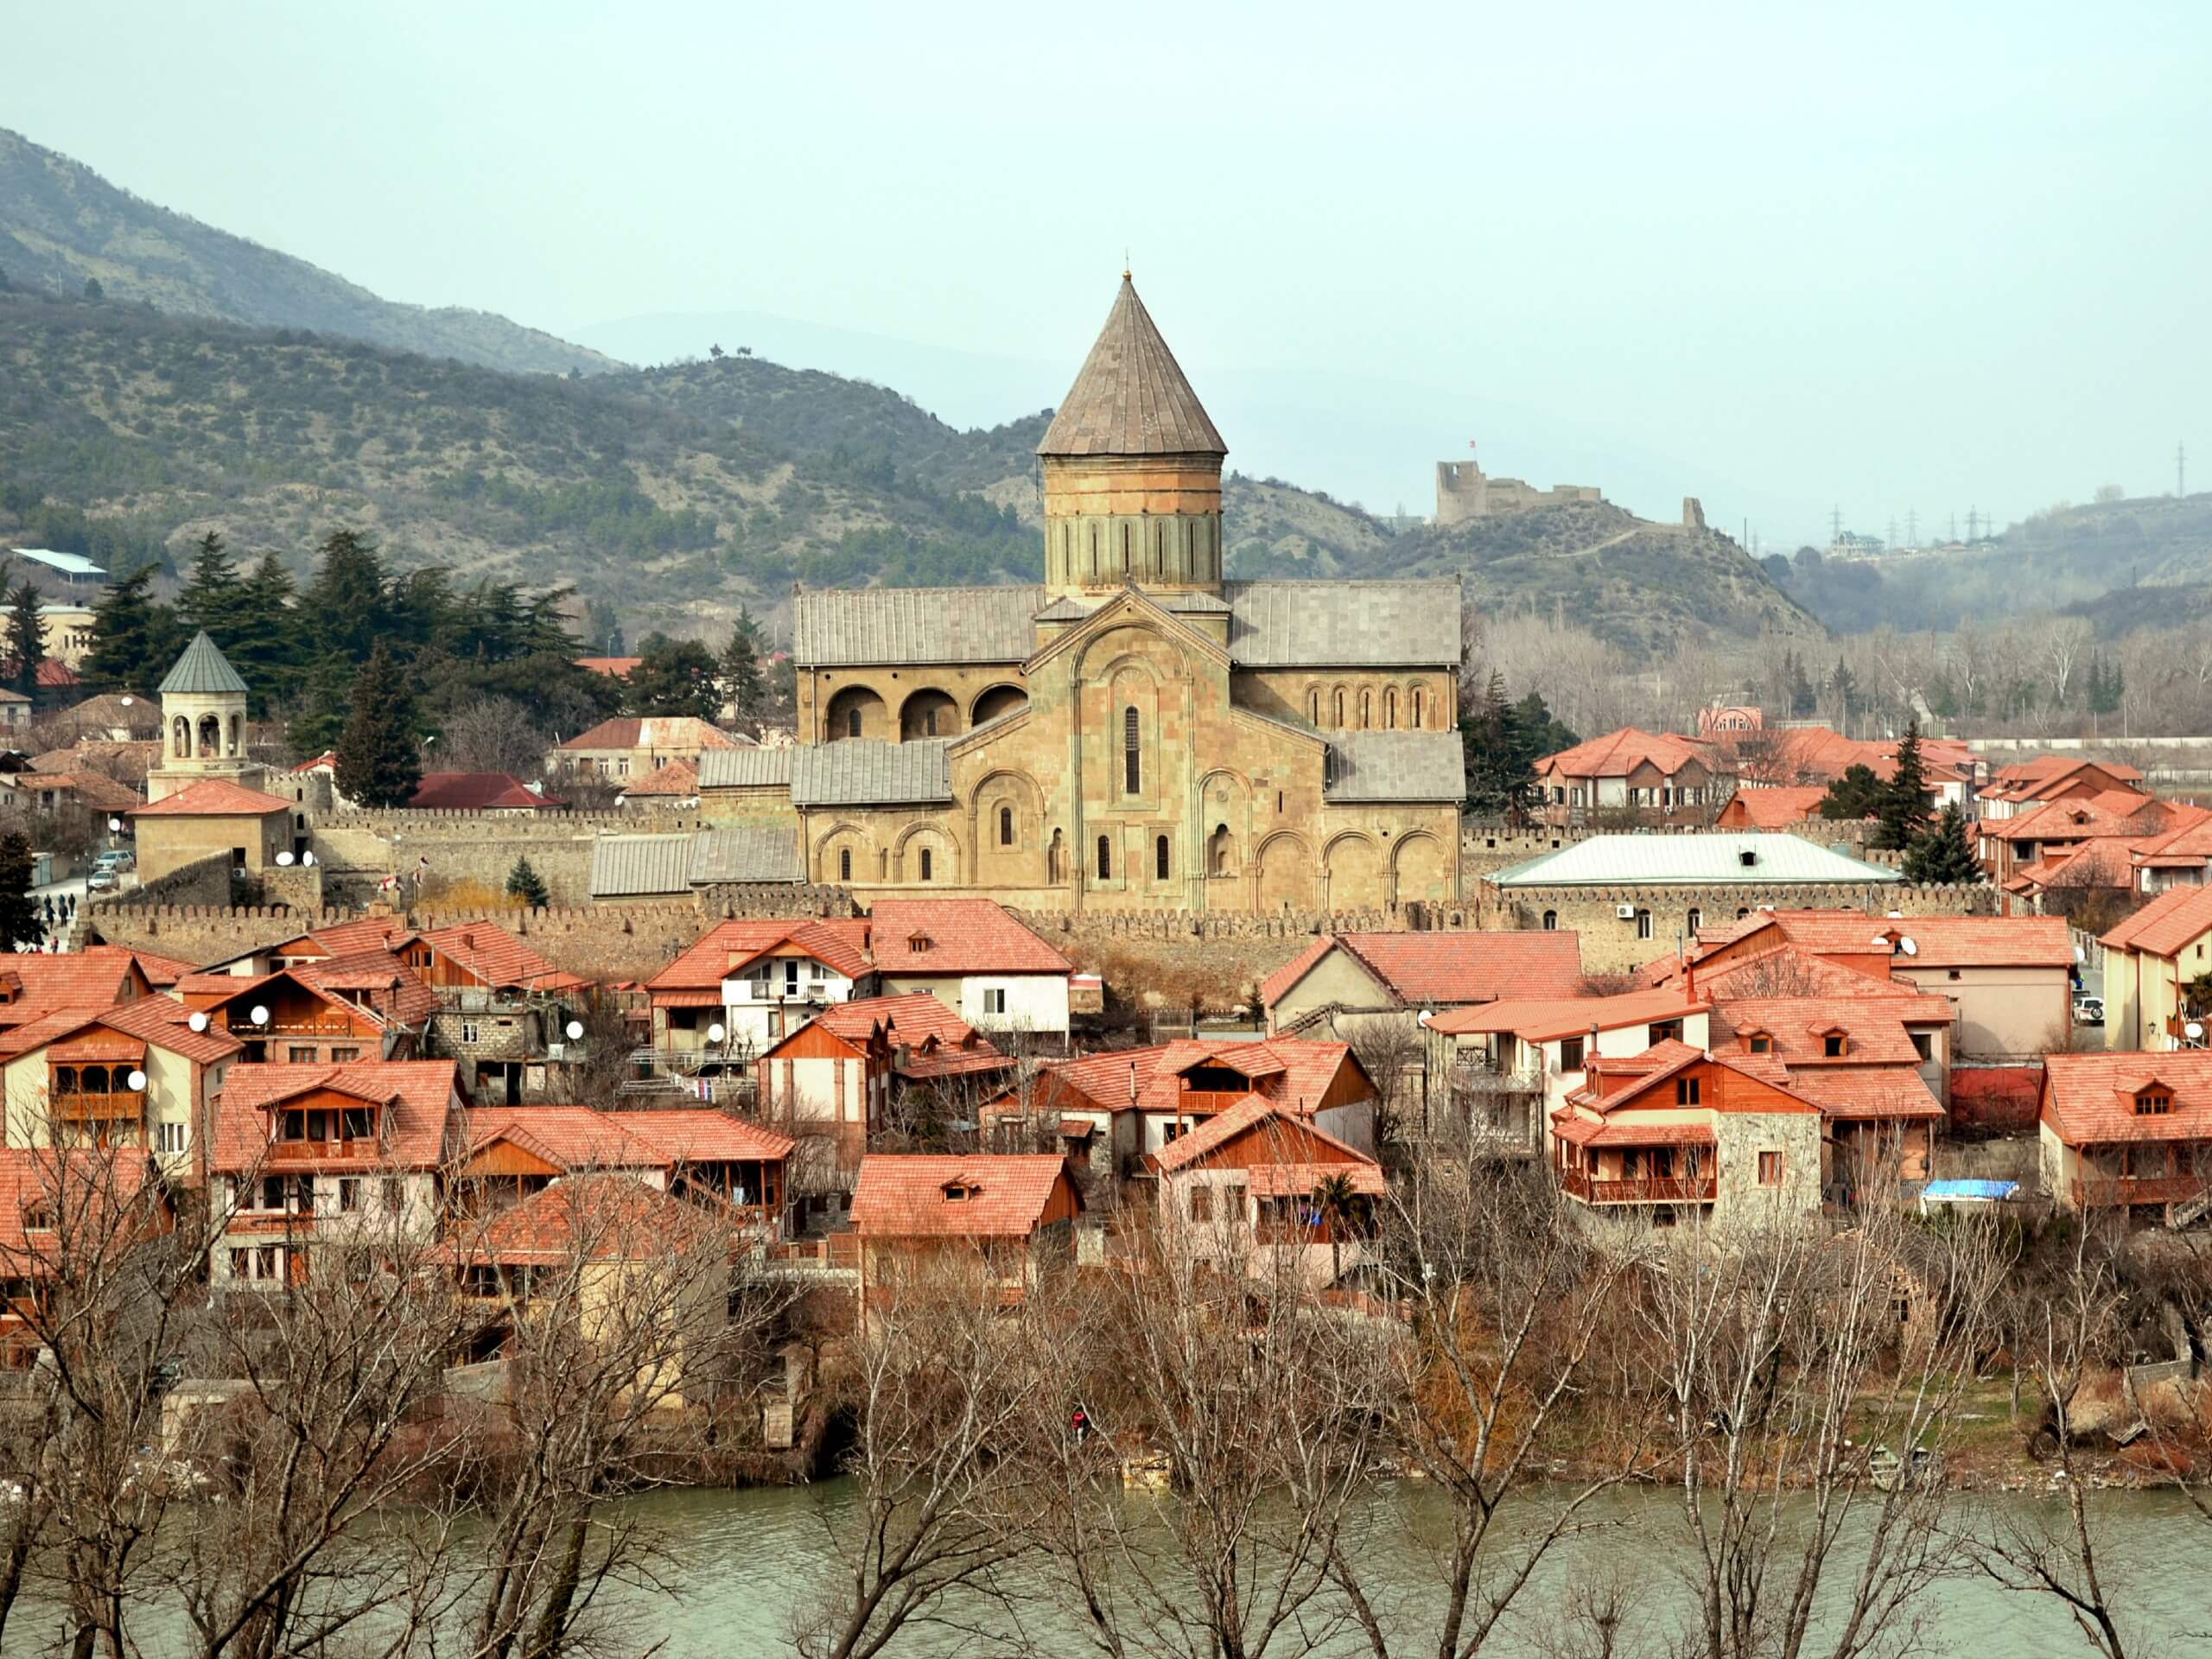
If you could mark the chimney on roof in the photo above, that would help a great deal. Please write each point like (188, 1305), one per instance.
(1133, 1083)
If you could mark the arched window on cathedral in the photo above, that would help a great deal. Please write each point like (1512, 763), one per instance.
(1217, 851)
(1417, 725)
(1093, 552)
(1338, 722)
(1132, 770)
(1390, 710)
(1367, 711)
(238, 733)
(181, 737)
(211, 737)
(844, 863)
(926, 864)
(1313, 706)
(1159, 858)
(1158, 551)
(1105, 859)
(853, 721)
(1006, 826)
(1125, 552)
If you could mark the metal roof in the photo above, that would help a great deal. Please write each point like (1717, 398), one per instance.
(1130, 397)
(202, 672)
(1687, 860)
(1394, 766)
(863, 626)
(747, 852)
(1343, 624)
(70, 565)
(628, 867)
(746, 768)
(867, 772)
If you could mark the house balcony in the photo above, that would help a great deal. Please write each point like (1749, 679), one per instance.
(296, 1153)
(242, 1028)
(1641, 1189)
(108, 1106)
(2100, 1191)
(1481, 1081)
(1207, 1103)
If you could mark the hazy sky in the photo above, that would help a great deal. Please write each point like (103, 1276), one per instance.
(1917, 256)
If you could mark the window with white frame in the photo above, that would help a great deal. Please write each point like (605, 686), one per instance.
(170, 1137)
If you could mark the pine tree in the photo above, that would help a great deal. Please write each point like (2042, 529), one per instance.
(1943, 854)
(325, 691)
(350, 598)
(1856, 794)
(378, 763)
(20, 921)
(525, 884)
(674, 677)
(741, 681)
(267, 646)
(135, 638)
(26, 643)
(1902, 804)
(212, 595)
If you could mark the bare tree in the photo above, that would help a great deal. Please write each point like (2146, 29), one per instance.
(494, 734)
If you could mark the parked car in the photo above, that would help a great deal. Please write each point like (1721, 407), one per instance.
(2089, 1010)
(101, 880)
(116, 858)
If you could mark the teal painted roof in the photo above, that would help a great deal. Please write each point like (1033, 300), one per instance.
(202, 672)
(1680, 860)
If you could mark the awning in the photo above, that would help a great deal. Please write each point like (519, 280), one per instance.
(1077, 1128)
(1584, 1133)
(709, 998)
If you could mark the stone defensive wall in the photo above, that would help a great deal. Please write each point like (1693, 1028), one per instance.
(357, 849)
(1611, 943)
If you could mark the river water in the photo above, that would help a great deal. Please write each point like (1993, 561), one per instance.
(750, 1558)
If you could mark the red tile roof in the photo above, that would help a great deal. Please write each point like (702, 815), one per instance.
(2089, 1099)
(2167, 925)
(212, 797)
(79, 1189)
(1542, 1020)
(1291, 1070)
(957, 936)
(1447, 969)
(617, 668)
(841, 944)
(96, 977)
(2110, 812)
(2189, 847)
(1864, 1092)
(938, 1042)
(1772, 809)
(604, 1215)
(672, 779)
(1253, 1113)
(421, 1100)
(1618, 753)
(653, 732)
(1874, 1028)
(702, 1136)
(94, 791)
(491, 954)
(478, 791)
(1938, 941)
(903, 1195)
(1663, 1061)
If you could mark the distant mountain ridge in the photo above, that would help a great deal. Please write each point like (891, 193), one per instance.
(60, 223)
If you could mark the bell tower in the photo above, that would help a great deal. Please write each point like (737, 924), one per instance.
(1132, 470)
(203, 724)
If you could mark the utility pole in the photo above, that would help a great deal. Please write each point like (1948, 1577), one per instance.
(1835, 525)
(1973, 517)
(1954, 524)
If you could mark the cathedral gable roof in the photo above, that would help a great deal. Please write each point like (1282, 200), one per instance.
(1130, 397)
(1394, 766)
(866, 626)
(1411, 624)
(1131, 603)
(867, 771)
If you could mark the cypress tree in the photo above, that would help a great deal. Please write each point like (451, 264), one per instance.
(135, 638)
(20, 921)
(1903, 805)
(378, 763)
(26, 644)
(212, 597)
(266, 645)
(1944, 853)
(741, 680)
(350, 597)
(525, 884)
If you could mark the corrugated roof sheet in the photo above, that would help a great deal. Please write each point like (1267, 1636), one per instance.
(866, 625)
(626, 866)
(1131, 397)
(202, 672)
(1395, 767)
(867, 772)
(1343, 624)
(1655, 860)
(747, 852)
(746, 768)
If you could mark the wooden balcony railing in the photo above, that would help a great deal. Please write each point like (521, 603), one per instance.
(2097, 1190)
(1205, 1103)
(312, 1152)
(1641, 1189)
(241, 1026)
(106, 1107)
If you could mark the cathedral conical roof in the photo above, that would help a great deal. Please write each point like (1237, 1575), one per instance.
(1130, 397)
(203, 671)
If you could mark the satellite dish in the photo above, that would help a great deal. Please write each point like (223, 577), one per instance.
(115, 826)
(2194, 1031)
(260, 1015)
(307, 858)
(127, 702)
(575, 1030)
(1421, 1018)
(1880, 939)
(715, 1034)
(284, 859)
(1908, 947)
(136, 1079)
(199, 1021)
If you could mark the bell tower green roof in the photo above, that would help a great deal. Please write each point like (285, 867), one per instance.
(202, 672)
